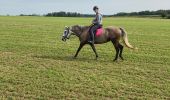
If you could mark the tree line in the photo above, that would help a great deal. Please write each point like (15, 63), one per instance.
(64, 14)
(68, 14)
(161, 13)
(61, 14)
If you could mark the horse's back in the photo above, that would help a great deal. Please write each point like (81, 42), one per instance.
(101, 36)
(107, 34)
(104, 35)
(114, 32)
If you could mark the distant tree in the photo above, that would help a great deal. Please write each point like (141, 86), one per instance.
(134, 14)
(145, 13)
(168, 17)
(29, 15)
(64, 14)
(121, 14)
(164, 14)
(21, 15)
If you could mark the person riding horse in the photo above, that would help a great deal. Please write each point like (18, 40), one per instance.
(96, 23)
(110, 33)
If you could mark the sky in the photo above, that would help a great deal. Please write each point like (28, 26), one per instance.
(107, 7)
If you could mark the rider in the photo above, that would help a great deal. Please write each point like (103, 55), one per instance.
(96, 23)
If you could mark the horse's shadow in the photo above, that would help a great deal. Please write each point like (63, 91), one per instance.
(71, 58)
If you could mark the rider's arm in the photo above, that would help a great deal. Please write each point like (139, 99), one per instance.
(98, 19)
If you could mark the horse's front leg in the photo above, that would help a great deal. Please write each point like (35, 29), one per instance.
(78, 50)
(94, 50)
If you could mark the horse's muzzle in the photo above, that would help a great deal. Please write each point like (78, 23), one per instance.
(63, 39)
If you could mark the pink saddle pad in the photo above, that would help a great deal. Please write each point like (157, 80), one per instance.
(99, 32)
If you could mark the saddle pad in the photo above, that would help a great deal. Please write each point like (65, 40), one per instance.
(99, 32)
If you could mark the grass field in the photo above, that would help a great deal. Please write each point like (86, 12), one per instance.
(36, 64)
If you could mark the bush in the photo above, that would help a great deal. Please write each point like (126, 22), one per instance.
(168, 17)
(163, 15)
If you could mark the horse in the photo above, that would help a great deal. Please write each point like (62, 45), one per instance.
(113, 34)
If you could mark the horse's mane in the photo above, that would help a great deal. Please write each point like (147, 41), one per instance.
(84, 27)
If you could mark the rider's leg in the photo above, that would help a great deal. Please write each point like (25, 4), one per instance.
(89, 34)
(93, 29)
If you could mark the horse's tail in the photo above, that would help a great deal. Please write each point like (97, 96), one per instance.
(125, 39)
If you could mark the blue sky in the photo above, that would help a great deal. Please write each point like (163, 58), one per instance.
(16, 7)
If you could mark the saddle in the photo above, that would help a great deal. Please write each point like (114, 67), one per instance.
(99, 31)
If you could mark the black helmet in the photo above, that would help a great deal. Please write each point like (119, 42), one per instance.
(95, 7)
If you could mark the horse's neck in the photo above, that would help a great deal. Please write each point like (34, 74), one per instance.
(85, 30)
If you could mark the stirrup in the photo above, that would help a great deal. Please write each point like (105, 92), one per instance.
(92, 42)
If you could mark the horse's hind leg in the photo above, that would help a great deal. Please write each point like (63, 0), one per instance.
(121, 50)
(117, 52)
(116, 45)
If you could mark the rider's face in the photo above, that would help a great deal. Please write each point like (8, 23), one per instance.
(96, 10)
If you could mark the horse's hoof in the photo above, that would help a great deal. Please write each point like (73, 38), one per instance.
(115, 60)
(96, 57)
(74, 57)
(121, 58)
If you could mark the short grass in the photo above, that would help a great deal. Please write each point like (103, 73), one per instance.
(36, 64)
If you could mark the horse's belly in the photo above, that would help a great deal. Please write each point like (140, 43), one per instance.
(101, 39)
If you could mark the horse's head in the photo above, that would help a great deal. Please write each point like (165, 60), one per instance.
(67, 33)
(73, 30)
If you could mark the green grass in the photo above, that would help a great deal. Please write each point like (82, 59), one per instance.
(36, 64)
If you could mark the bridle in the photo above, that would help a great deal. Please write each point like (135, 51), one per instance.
(67, 33)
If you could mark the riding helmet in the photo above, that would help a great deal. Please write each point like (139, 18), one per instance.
(95, 7)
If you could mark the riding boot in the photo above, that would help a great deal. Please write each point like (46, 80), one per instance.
(91, 38)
